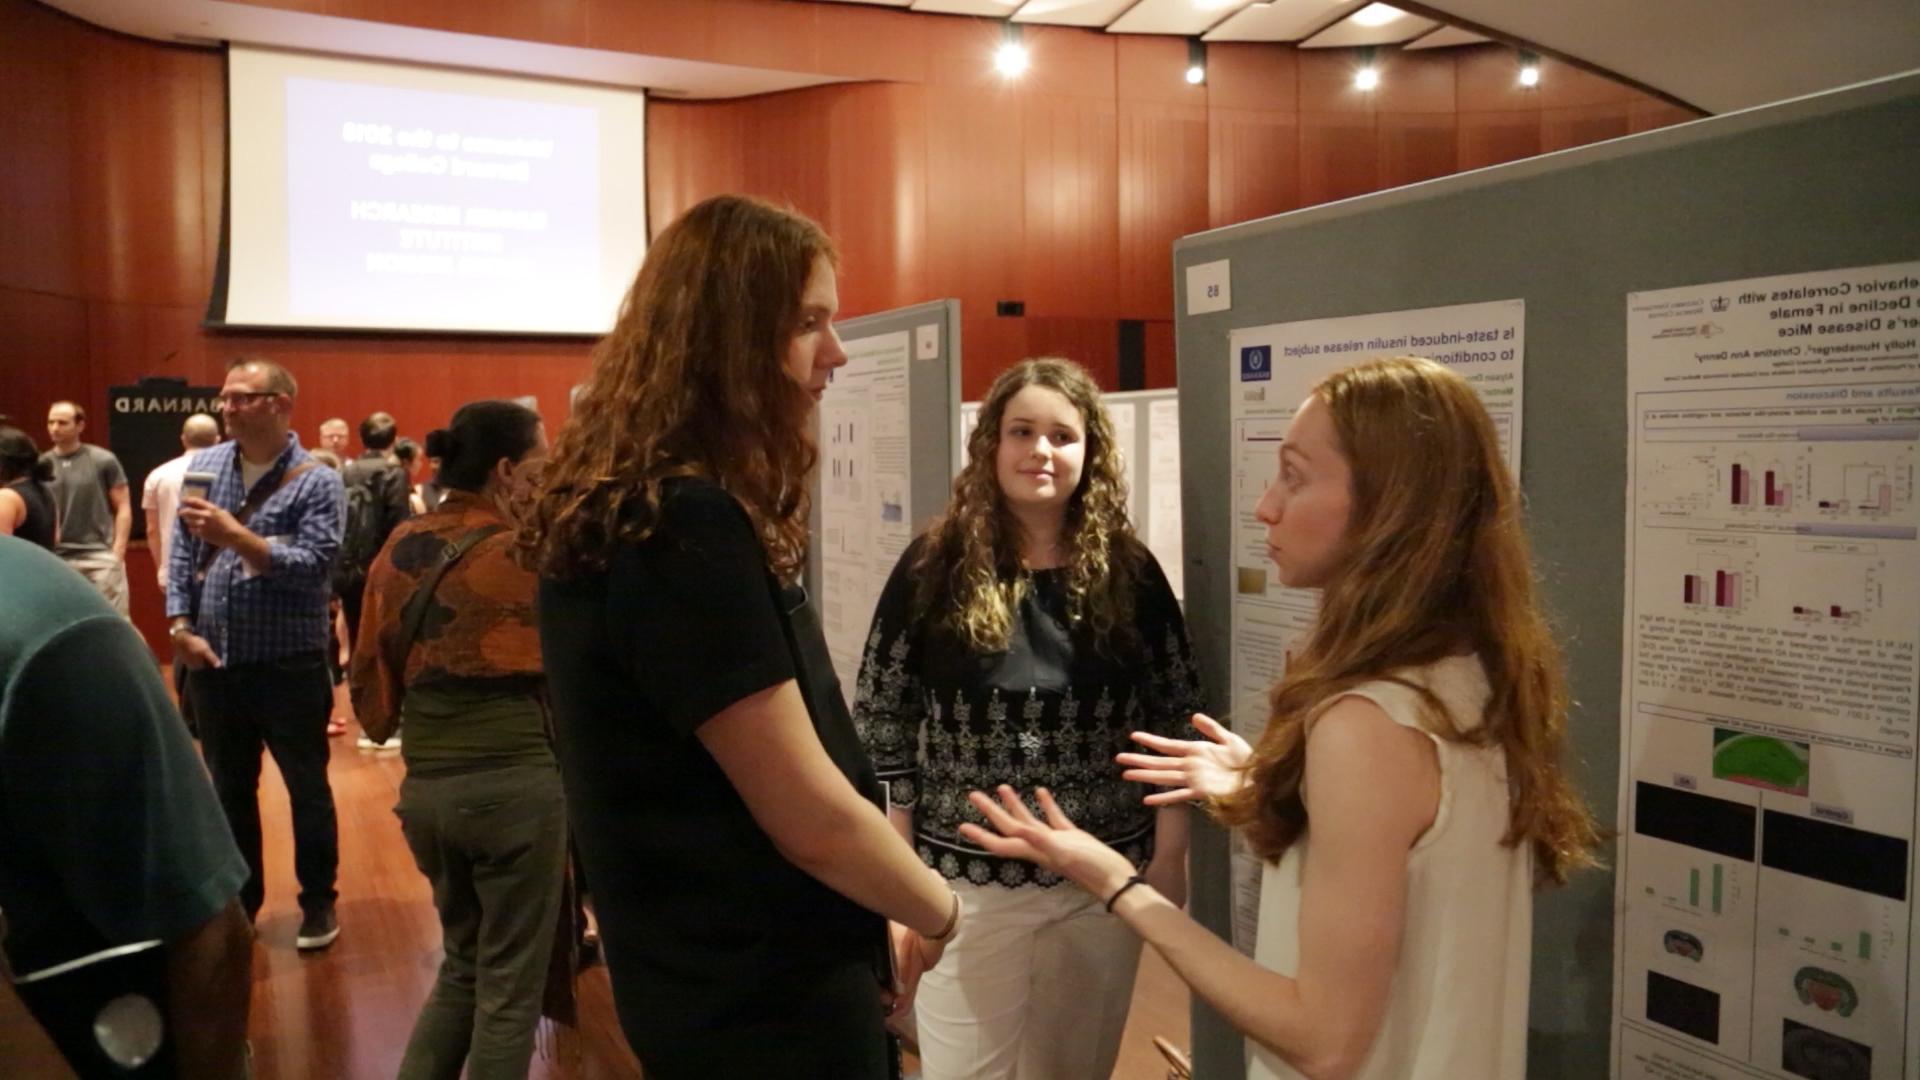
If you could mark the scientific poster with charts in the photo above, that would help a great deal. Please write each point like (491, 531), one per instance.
(865, 520)
(1273, 370)
(1764, 918)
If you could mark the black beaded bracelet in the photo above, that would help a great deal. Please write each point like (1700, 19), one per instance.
(1137, 879)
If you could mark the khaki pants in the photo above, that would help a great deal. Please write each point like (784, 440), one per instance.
(494, 845)
(105, 573)
(1036, 986)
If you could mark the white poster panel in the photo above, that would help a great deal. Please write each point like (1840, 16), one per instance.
(1125, 415)
(1163, 492)
(865, 517)
(1274, 368)
(1764, 914)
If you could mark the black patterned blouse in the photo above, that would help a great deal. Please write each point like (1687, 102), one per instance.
(940, 720)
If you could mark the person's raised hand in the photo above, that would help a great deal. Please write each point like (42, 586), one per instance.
(1189, 768)
(1054, 844)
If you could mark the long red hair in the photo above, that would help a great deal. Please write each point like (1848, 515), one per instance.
(691, 382)
(1435, 563)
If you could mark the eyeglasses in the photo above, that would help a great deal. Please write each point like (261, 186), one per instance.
(241, 397)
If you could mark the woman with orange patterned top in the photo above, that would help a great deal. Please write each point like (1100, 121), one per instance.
(481, 805)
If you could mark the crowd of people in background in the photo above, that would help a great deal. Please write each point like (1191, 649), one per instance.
(602, 643)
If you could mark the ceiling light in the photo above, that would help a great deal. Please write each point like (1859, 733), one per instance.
(1196, 62)
(1366, 77)
(1529, 69)
(1375, 15)
(1010, 59)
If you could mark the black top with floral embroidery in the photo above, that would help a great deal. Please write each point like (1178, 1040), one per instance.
(940, 720)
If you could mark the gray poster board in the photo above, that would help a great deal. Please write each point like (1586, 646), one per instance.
(934, 408)
(1822, 182)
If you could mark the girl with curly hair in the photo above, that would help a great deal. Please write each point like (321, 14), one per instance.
(1408, 793)
(1018, 641)
(740, 862)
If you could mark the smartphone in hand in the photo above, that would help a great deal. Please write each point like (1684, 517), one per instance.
(196, 485)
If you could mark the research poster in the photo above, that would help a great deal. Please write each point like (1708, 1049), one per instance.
(866, 521)
(1764, 914)
(1273, 368)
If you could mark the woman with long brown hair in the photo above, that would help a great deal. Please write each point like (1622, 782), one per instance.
(1408, 793)
(1018, 641)
(729, 822)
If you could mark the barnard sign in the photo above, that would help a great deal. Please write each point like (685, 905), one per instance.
(143, 427)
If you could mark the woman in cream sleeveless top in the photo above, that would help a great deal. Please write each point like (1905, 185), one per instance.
(1458, 1003)
(1407, 793)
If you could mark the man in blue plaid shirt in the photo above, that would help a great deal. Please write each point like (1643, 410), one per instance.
(248, 584)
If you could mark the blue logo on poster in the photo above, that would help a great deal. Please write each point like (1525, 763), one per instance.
(1256, 363)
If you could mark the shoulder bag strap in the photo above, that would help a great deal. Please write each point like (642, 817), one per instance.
(255, 500)
(414, 615)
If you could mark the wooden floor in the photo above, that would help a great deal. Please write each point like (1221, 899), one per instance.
(346, 1011)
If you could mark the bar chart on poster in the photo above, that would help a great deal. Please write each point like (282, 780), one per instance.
(1765, 918)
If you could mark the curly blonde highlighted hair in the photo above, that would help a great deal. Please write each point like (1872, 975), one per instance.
(970, 568)
(1435, 563)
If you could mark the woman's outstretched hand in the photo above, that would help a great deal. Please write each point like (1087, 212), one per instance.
(1055, 844)
(1192, 769)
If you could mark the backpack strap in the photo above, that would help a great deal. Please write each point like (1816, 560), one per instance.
(414, 616)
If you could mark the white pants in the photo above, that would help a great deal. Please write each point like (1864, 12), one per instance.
(1035, 986)
(105, 573)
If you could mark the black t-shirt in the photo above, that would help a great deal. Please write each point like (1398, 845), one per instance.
(706, 926)
(38, 527)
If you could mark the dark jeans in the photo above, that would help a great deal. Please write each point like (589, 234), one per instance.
(283, 705)
(494, 844)
(350, 604)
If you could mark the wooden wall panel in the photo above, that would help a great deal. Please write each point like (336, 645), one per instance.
(1161, 357)
(1253, 164)
(1072, 241)
(1563, 129)
(1243, 76)
(1163, 196)
(1412, 147)
(976, 221)
(554, 22)
(138, 189)
(1094, 344)
(1490, 138)
(1647, 114)
(44, 358)
(36, 135)
(1487, 79)
(877, 194)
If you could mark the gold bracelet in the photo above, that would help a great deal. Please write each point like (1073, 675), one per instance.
(953, 923)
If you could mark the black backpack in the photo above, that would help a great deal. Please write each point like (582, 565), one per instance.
(366, 531)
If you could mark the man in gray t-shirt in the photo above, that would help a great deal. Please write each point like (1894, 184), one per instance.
(91, 504)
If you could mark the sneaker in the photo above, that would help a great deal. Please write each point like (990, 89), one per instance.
(392, 743)
(318, 929)
(336, 726)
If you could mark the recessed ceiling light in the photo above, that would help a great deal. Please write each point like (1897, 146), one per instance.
(1375, 15)
(1010, 59)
